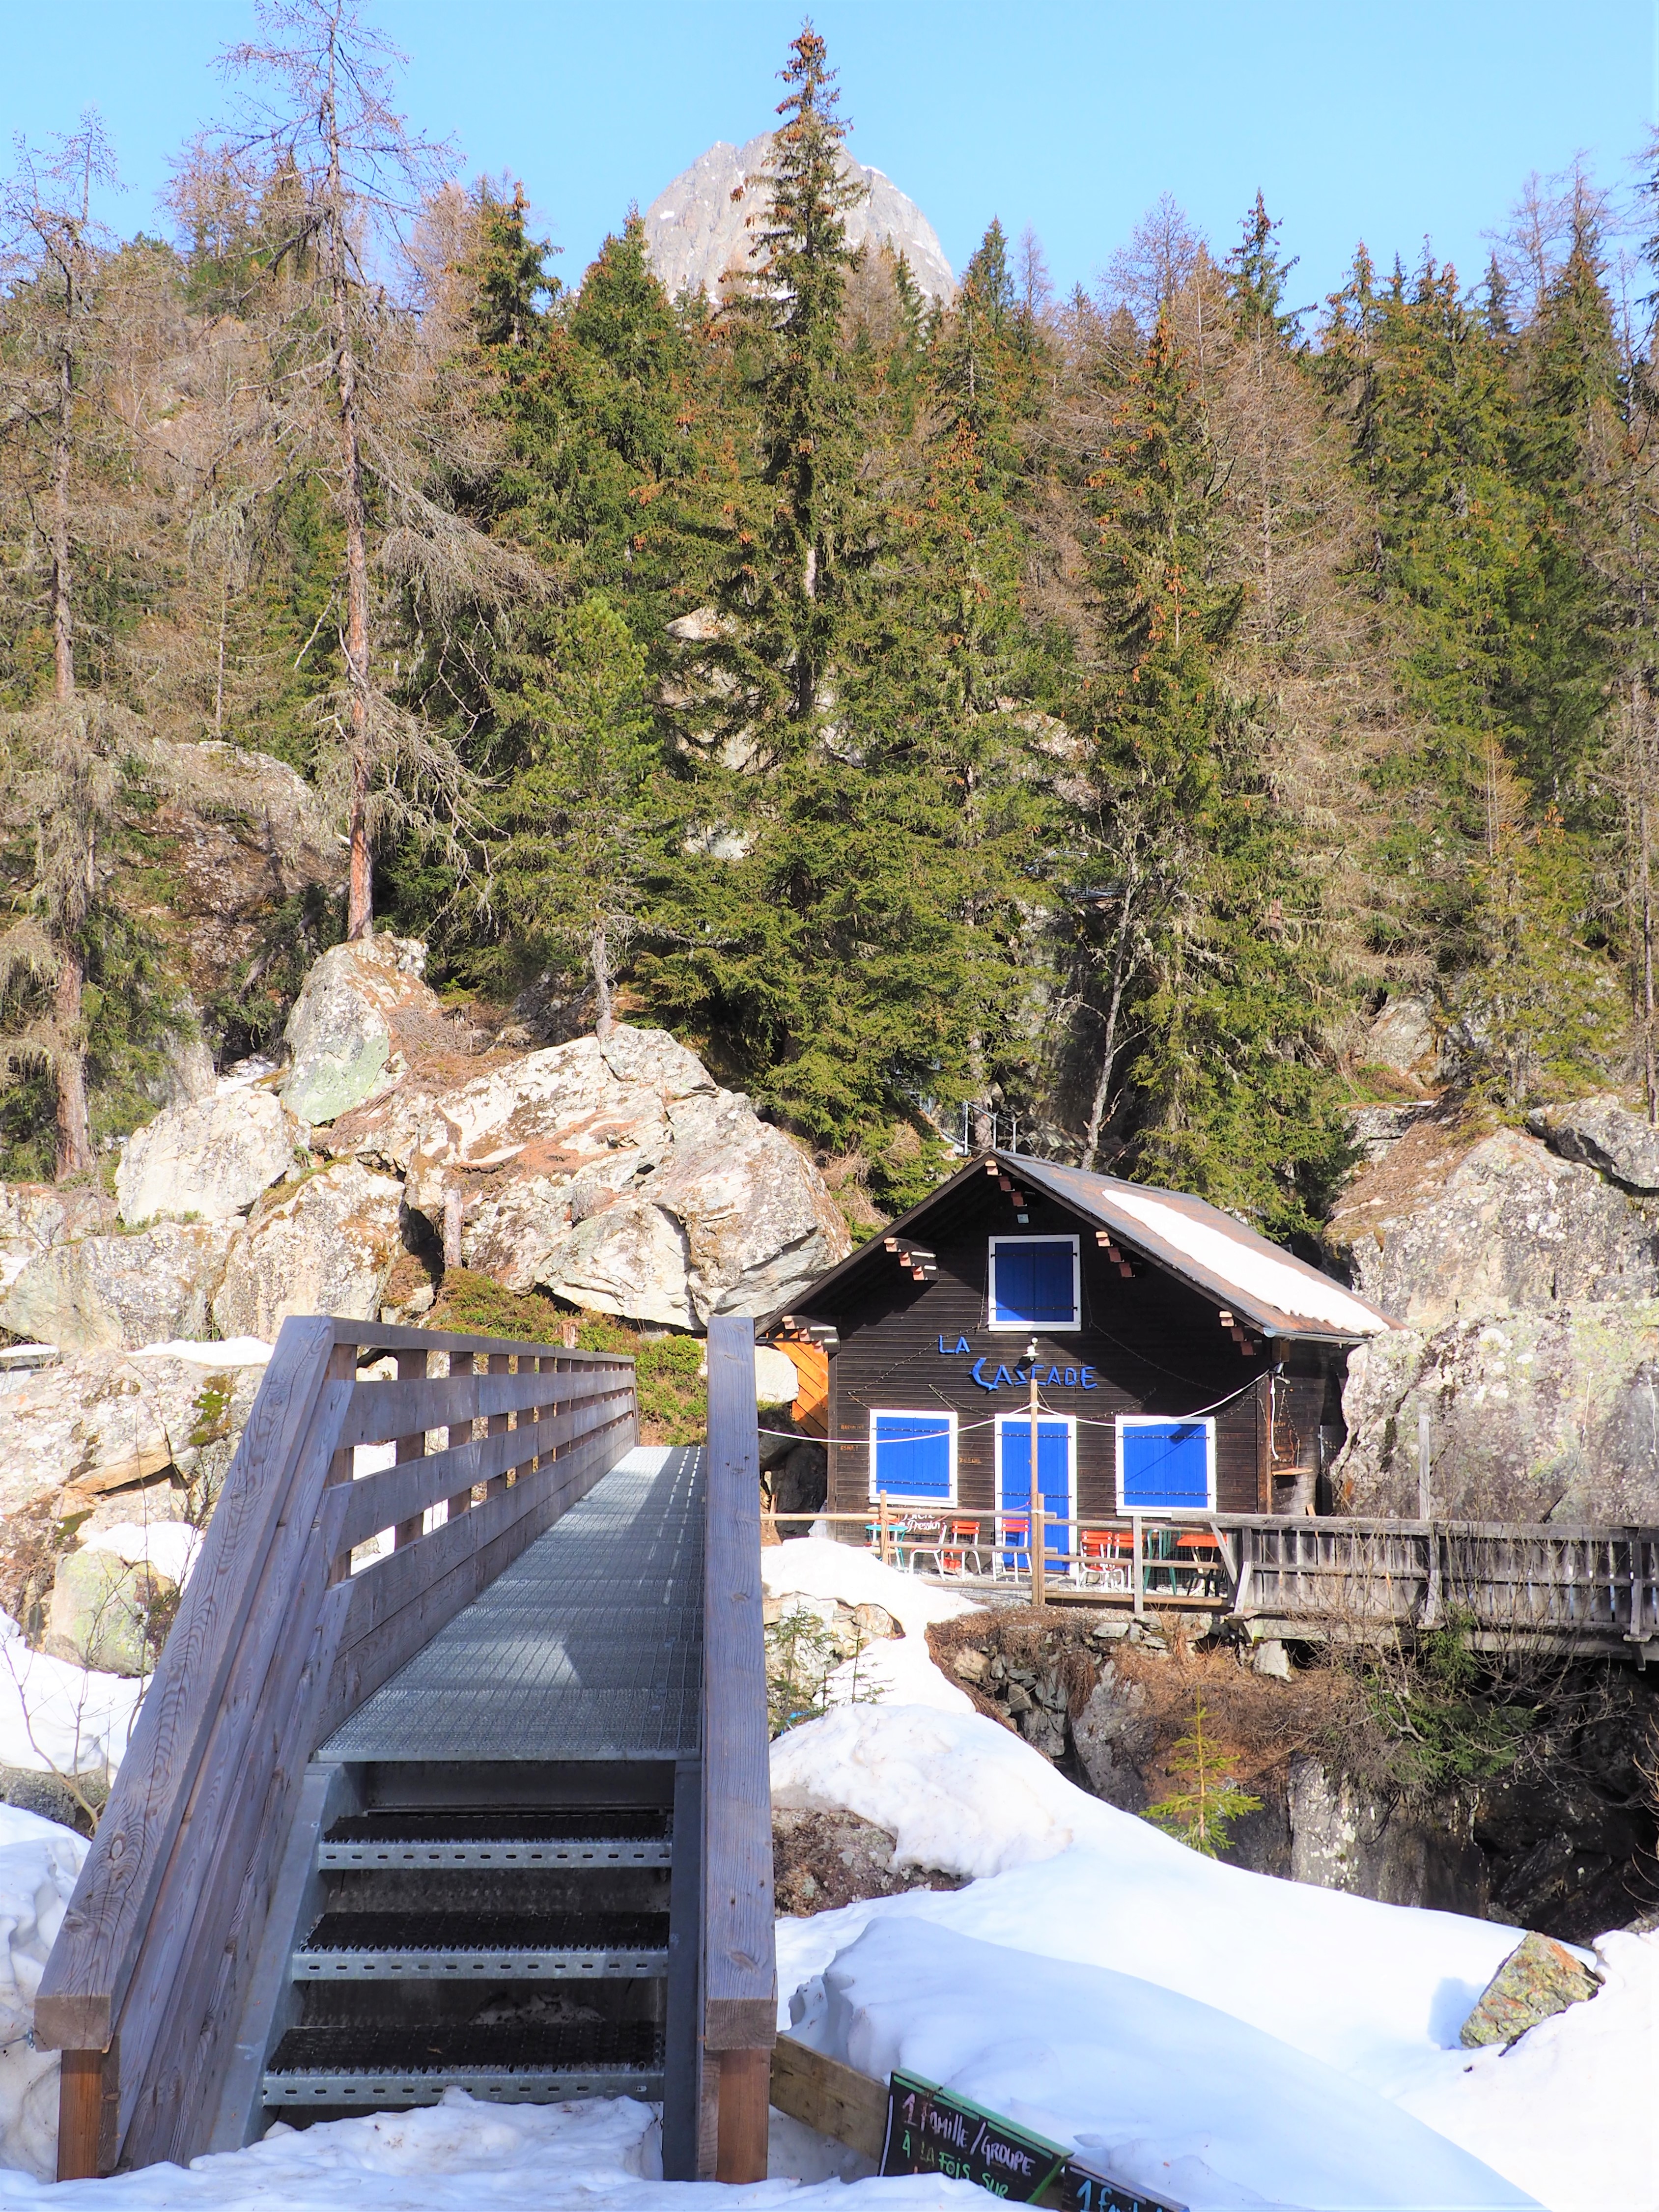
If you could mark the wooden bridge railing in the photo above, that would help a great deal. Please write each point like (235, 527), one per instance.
(277, 1640)
(739, 1968)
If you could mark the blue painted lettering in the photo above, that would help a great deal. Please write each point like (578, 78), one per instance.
(1071, 1378)
(1003, 1375)
(963, 1345)
(1087, 1377)
(979, 1378)
(1053, 1375)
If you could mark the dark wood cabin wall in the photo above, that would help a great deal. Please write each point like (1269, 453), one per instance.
(1156, 1347)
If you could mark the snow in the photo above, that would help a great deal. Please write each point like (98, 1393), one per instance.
(465, 2156)
(228, 1352)
(170, 1547)
(1281, 1283)
(39, 1864)
(896, 1669)
(57, 1718)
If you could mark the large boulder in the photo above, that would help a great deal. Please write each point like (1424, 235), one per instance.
(99, 1423)
(342, 1032)
(36, 1217)
(328, 1246)
(1445, 1223)
(211, 1158)
(107, 1614)
(111, 1293)
(1537, 1415)
(615, 1173)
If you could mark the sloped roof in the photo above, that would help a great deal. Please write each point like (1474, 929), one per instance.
(1266, 1285)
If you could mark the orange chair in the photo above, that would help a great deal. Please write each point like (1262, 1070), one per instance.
(1012, 1555)
(1106, 1555)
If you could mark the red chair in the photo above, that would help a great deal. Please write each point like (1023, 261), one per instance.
(1013, 1547)
(1106, 1557)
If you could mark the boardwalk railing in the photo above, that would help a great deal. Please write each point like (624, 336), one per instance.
(277, 1640)
(739, 1970)
(1596, 1588)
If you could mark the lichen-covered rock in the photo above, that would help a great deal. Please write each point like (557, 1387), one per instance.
(113, 1293)
(341, 1032)
(1538, 1979)
(212, 1156)
(1449, 1223)
(327, 1246)
(614, 1173)
(1603, 1133)
(93, 1424)
(107, 1614)
(1400, 1038)
(1533, 1416)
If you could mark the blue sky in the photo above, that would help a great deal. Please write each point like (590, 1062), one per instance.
(1380, 119)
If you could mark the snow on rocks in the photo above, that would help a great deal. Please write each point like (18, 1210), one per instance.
(39, 1864)
(818, 1573)
(463, 2156)
(170, 1547)
(211, 1158)
(58, 1717)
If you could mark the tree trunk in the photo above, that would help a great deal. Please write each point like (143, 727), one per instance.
(63, 629)
(599, 953)
(73, 1134)
(1109, 1042)
(360, 911)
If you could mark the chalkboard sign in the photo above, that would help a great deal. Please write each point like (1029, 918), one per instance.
(931, 2131)
(1085, 2188)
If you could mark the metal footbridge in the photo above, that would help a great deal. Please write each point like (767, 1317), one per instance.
(453, 1773)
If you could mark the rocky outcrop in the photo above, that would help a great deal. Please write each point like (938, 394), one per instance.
(1540, 1415)
(340, 1034)
(110, 1293)
(614, 1173)
(211, 1158)
(91, 1426)
(107, 1614)
(1448, 1223)
(326, 1247)
(243, 833)
(37, 1216)
(696, 229)
(1603, 1133)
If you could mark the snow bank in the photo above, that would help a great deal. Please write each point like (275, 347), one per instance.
(39, 1864)
(170, 1547)
(463, 2157)
(59, 1718)
(1176, 2095)
(898, 1670)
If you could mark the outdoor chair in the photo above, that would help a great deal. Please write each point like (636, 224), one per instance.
(1105, 1558)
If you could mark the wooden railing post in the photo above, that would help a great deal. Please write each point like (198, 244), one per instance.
(89, 2084)
(739, 2023)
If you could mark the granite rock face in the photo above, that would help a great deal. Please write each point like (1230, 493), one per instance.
(37, 1216)
(1539, 1978)
(1540, 1415)
(1603, 1133)
(326, 1247)
(340, 1033)
(615, 1173)
(113, 1293)
(106, 1614)
(1441, 1226)
(212, 1157)
(695, 231)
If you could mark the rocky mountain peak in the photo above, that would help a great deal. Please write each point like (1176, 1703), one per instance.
(694, 229)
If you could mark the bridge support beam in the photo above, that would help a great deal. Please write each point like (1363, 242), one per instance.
(744, 2098)
(87, 2087)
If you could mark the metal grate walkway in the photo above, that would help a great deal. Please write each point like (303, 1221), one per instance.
(588, 1647)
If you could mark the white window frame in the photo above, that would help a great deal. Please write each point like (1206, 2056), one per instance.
(1166, 1421)
(1044, 1421)
(945, 1414)
(1025, 1328)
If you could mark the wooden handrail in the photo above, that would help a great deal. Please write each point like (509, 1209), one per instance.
(275, 1643)
(739, 1999)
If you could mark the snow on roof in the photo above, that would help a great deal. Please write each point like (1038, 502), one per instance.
(1273, 1286)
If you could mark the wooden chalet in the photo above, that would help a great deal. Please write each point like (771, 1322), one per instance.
(1184, 1364)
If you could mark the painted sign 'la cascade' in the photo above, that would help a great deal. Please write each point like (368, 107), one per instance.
(1056, 1378)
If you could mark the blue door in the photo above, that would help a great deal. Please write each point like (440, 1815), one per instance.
(1054, 1479)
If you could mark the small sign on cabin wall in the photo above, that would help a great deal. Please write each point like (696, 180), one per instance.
(930, 2131)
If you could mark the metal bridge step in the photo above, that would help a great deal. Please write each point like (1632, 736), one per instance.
(320, 2067)
(483, 1947)
(465, 1837)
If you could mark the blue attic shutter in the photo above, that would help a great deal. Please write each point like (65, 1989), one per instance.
(1035, 1278)
(913, 1456)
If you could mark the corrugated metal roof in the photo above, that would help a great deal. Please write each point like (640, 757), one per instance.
(1266, 1285)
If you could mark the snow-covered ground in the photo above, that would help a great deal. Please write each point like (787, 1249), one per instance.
(38, 1863)
(1231, 2040)
(57, 1718)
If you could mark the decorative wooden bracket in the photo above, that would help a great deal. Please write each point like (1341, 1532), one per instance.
(922, 1263)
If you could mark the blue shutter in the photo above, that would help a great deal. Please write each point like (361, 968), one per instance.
(1054, 1474)
(1034, 1280)
(1166, 1466)
(913, 1456)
